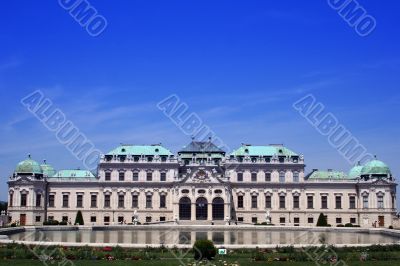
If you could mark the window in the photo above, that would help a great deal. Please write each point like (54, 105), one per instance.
(310, 202)
(121, 201)
(135, 201)
(324, 202)
(254, 202)
(120, 219)
(135, 176)
(200, 191)
(51, 201)
(281, 159)
(338, 220)
(79, 201)
(296, 202)
(93, 219)
(296, 177)
(50, 218)
(162, 219)
(93, 201)
(38, 200)
(148, 219)
(108, 176)
(163, 201)
(282, 204)
(106, 219)
(267, 177)
(282, 220)
(240, 201)
(254, 220)
(240, 177)
(380, 202)
(253, 177)
(64, 219)
(353, 220)
(268, 202)
(121, 176)
(10, 203)
(218, 191)
(38, 218)
(365, 201)
(149, 176)
(149, 201)
(240, 219)
(107, 199)
(65, 201)
(282, 177)
(352, 203)
(163, 177)
(23, 200)
(296, 221)
(310, 220)
(338, 201)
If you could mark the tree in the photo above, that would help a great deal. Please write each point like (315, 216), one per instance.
(204, 249)
(79, 218)
(322, 220)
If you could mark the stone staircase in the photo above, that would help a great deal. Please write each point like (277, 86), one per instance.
(201, 223)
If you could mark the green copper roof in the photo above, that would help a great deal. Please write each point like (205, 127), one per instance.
(140, 150)
(28, 166)
(355, 171)
(73, 174)
(375, 167)
(335, 175)
(270, 150)
(47, 169)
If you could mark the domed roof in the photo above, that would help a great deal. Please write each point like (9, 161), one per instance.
(375, 167)
(28, 166)
(355, 171)
(47, 169)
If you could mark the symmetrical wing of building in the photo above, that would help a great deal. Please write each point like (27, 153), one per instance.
(202, 184)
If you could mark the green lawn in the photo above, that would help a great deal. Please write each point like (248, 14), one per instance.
(172, 262)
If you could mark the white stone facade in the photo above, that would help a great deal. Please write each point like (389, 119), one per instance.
(202, 187)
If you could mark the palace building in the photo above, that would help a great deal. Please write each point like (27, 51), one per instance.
(201, 184)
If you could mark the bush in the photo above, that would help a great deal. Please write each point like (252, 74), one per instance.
(390, 226)
(348, 225)
(63, 223)
(51, 222)
(204, 249)
(340, 225)
(79, 218)
(322, 220)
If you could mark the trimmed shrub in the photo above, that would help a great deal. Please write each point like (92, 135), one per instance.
(79, 218)
(322, 220)
(204, 249)
(348, 225)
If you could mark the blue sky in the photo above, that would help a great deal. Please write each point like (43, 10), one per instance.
(240, 65)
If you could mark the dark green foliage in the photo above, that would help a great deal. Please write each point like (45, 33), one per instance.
(322, 220)
(3, 206)
(204, 249)
(51, 222)
(79, 218)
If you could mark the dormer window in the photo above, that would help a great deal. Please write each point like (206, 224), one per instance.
(157, 150)
(185, 191)
(123, 150)
(246, 150)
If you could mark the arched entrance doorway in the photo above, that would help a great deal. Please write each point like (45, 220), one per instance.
(185, 209)
(201, 209)
(218, 209)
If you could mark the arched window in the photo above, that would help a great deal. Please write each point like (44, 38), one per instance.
(201, 209)
(218, 209)
(185, 209)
